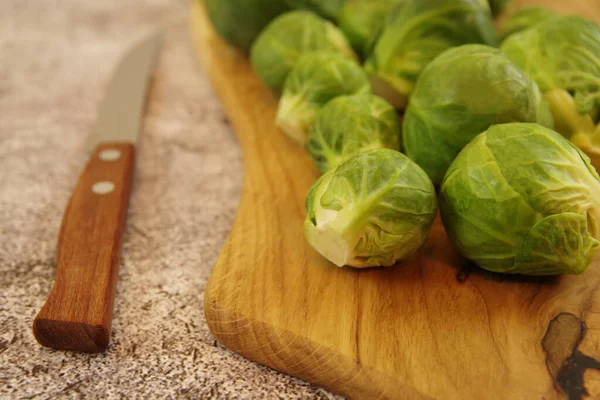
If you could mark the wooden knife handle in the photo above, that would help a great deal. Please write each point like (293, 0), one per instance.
(78, 313)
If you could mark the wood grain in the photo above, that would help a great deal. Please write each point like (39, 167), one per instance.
(433, 327)
(78, 313)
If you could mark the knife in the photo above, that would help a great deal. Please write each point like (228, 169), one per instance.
(78, 312)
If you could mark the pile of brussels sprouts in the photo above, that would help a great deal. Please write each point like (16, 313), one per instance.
(410, 106)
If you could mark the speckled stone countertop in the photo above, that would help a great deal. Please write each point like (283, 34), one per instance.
(56, 57)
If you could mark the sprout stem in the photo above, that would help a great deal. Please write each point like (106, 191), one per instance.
(578, 128)
(593, 218)
(567, 120)
(394, 94)
(329, 243)
(589, 143)
(292, 116)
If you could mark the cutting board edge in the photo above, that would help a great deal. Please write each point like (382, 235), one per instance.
(341, 373)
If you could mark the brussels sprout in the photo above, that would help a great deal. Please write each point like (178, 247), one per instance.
(317, 78)
(498, 6)
(240, 21)
(372, 210)
(524, 18)
(361, 20)
(416, 32)
(459, 95)
(521, 199)
(562, 55)
(348, 125)
(281, 44)
(329, 9)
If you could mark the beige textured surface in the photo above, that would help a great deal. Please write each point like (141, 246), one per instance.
(55, 58)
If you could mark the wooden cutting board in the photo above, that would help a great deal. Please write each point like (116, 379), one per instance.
(431, 328)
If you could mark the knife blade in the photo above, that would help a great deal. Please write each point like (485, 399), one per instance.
(77, 314)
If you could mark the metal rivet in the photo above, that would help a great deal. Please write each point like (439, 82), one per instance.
(110, 155)
(103, 187)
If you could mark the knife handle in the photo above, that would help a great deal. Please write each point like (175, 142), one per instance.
(78, 313)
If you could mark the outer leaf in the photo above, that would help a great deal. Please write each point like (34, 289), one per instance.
(548, 172)
(558, 244)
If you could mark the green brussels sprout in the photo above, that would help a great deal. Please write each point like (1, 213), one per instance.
(562, 55)
(498, 6)
(372, 210)
(521, 199)
(329, 9)
(281, 44)
(317, 78)
(360, 20)
(459, 95)
(524, 18)
(240, 21)
(416, 32)
(348, 125)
